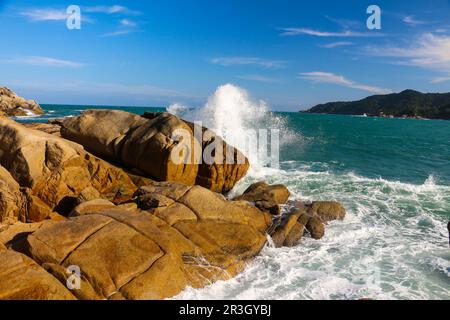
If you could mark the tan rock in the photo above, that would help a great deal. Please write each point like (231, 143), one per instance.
(153, 254)
(12, 201)
(284, 230)
(13, 105)
(49, 128)
(266, 197)
(55, 171)
(91, 206)
(22, 279)
(316, 228)
(328, 210)
(147, 145)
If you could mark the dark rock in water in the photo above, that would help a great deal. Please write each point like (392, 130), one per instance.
(448, 228)
(12, 105)
(146, 145)
(266, 197)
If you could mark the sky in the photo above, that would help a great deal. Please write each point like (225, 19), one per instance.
(291, 54)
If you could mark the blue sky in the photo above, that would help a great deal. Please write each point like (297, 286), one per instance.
(292, 54)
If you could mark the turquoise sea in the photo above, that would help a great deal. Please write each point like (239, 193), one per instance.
(392, 175)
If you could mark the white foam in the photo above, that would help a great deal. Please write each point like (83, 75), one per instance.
(231, 113)
(392, 229)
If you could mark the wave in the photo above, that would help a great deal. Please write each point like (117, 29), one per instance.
(231, 113)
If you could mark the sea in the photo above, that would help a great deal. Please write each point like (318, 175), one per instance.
(392, 176)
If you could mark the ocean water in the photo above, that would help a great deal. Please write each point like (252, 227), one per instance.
(392, 175)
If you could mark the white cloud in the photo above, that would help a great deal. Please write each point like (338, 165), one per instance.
(412, 21)
(336, 44)
(266, 63)
(428, 51)
(126, 26)
(45, 14)
(115, 9)
(331, 78)
(43, 61)
(440, 79)
(127, 23)
(117, 33)
(256, 77)
(317, 33)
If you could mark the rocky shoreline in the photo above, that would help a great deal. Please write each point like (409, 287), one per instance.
(101, 194)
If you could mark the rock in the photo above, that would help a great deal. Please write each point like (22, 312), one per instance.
(191, 237)
(328, 210)
(49, 128)
(13, 105)
(15, 235)
(147, 146)
(316, 228)
(285, 228)
(22, 279)
(12, 201)
(53, 172)
(88, 194)
(266, 197)
(91, 206)
(294, 236)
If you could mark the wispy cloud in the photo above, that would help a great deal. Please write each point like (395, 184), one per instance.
(128, 23)
(428, 51)
(440, 79)
(45, 14)
(331, 78)
(115, 9)
(346, 23)
(412, 21)
(260, 62)
(43, 61)
(336, 44)
(126, 26)
(258, 78)
(318, 33)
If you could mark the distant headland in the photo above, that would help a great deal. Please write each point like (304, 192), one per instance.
(406, 104)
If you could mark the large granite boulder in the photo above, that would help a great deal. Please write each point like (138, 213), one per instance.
(13, 105)
(147, 146)
(186, 236)
(51, 173)
(23, 279)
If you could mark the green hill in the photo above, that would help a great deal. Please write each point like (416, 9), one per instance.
(408, 103)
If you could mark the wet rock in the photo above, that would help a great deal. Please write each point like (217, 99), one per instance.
(328, 210)
(316, 228)
(266, 197)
